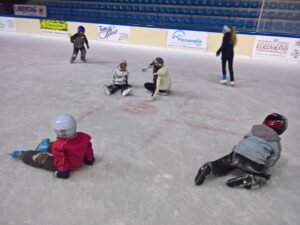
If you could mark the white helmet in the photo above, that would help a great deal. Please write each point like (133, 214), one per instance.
(64, 125)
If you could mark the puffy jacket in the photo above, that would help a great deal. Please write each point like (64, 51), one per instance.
(70, 154)
(261, 145)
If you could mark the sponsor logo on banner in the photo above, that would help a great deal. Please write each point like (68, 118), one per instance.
(30, 10)
(276, 47)
(187, 39)
(113, 33)
(7, 24)
(54, 27)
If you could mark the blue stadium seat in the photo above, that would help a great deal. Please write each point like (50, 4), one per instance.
(240, 23)
(272, 5)
(297, 27)
(212, 3)
(291, 16)
(245, 4)
(217, 12)
(243, 13)
(250, 24)
(253, 14)
(234, 13)
(255, 4)
(236, 4)
(220, 3)
(268, 26)
(278, 26)
(203, 3)
(226, 13)
(186, 11)
(208, 12)
(229, 4)
(196, 20)
(292, 6)
(282, 5)
(271, 15)
(189, 2)
(289, 27)
(232, 23)
(281, 15)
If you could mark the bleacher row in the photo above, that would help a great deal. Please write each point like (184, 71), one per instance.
(213, 3)
(276, 16)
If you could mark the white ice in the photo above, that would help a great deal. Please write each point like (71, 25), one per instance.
(147, 153)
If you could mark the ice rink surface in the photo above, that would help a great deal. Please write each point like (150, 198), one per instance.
(147, 153)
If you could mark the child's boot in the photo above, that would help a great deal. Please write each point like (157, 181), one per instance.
(245, 181)
(17, 154)
(126, 91)
(43, 146)
(224, 79)
(203, 172)
(106, 90)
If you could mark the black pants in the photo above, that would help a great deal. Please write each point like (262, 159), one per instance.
(115, 87)
(232, 161)
(82, 51)
(230, 64)
(152, 87)
(39, 160)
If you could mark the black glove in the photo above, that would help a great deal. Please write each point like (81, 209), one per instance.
(88, 46)
(218, 53)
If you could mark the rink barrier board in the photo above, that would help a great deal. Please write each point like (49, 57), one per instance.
(157, 37)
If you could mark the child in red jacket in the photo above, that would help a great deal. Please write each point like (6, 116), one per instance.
(69, 152)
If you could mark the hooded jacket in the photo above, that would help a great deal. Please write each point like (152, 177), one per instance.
(261, 145)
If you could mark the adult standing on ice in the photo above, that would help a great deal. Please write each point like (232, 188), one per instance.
(228, 43)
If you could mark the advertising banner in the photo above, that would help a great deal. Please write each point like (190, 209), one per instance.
(187, 39)
(7, 24)
(107, 32)
(279, 47)
(54, 27)
(30, 10)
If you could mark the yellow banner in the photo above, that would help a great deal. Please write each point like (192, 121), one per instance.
(54, 25)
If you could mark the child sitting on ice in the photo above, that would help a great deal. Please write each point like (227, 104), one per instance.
(69, 152)
(119, 80)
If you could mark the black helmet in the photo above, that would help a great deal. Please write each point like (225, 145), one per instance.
(277, 122)
(158, 62)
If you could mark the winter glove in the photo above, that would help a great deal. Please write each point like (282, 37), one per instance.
(88, 47)
(145, 69)
(63, 175)
(218, 53)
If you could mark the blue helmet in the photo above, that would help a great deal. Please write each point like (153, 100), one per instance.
(81, 29)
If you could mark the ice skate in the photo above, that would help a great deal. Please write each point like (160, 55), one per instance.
(126, 92)
(223, 81)
(43, 146)
(241, 181)
(203, 172)
(232, 83)
(83, 60)
(106, 90)
(72, 59)
(166, 93)
(17, 154)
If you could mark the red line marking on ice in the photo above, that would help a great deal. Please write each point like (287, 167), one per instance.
(89, 113)
(159, 130)
(206, 127)
(139, 108)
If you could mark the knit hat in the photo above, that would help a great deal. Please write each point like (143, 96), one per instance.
(227, 29)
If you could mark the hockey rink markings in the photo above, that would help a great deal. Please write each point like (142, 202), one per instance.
(90, 113)
(139, 108)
